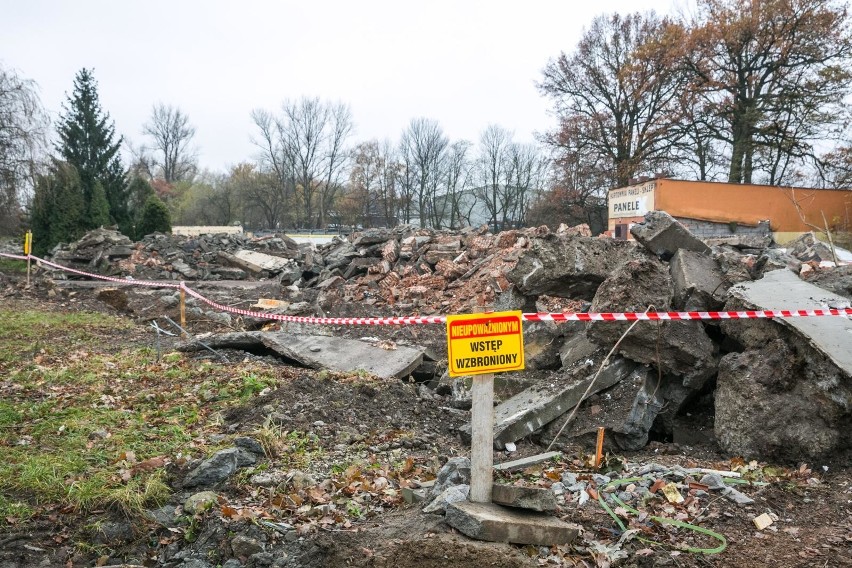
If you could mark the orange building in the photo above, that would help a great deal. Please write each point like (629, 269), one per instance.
(712, 209)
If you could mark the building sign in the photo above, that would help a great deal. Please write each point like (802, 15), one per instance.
(485, 343)
(633, 201)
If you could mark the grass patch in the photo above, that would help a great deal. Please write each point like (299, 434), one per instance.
(87, 429)
(33, 333)
(12, 265)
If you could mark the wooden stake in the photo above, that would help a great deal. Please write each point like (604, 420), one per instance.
(599, 448)
(183, 311)
(482, 438)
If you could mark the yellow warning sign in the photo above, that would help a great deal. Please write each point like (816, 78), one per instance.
(485, 343)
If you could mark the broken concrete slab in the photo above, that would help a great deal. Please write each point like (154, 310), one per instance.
(627, 410)
(837, 280)
(322, 352)
(774, 259)
(780, 290)
(764, 408)
(493, 523)
(531, 409)
(452, 494)
(569, 267)
(417, 494)
(264, 261)
(736, 267)
(255, 262)
(697, 281)
(789, 394)
(529, 498)
(676, 396)
(631, 432)
(663, 235)
(680, 348)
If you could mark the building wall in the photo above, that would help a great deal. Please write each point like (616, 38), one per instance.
(750, 204)
(710, 229)
(747, 205)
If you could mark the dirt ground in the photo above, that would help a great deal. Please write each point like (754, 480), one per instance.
(812, 502)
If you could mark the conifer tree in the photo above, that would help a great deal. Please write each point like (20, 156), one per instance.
(138, 192)
(155, 218)
(88, 142)
(58, 208)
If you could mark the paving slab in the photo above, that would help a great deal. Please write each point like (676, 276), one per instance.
(529, 498)
(322, 351)
(526, 462)
(494, 523)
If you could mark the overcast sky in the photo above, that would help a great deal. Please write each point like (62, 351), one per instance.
(463, 63)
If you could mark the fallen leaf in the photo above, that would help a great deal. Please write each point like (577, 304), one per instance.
(149, 464)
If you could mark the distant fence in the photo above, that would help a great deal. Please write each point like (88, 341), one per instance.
(196, 230)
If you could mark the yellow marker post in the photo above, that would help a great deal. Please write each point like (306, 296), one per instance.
(28, 245)
(481, 345)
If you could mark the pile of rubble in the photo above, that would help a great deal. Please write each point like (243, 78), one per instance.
(779, 389)
(175, 257)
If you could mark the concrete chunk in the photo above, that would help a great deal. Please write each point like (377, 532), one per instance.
(570, 267)
(531, 409)
(493, 523)
(789, 394)
(577, 349)
(680, 348)
(255, 262)
(530, 498)
(697, 280)
(663, 235)
(627, 411)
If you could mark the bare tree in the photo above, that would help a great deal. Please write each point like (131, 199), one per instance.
(278, 194)
(259, 192)
(423, 147)
(23, 143)
(364, 178)
(492, 172)
(387, 192)
(339, 129)
(172, 134)
(305, 147)
(526, 177)
(458, 177)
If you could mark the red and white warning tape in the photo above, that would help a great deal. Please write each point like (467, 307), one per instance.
(416, 320)
(672, 316)
(107, 278)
